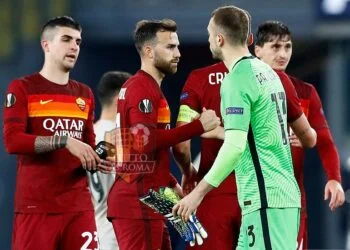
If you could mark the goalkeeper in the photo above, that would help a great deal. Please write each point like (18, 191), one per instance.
(256, 143)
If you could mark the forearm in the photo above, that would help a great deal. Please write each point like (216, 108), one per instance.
(328, 154)
(44, 144)
(304, 132)
(230, 152)
(182, 156)
(164, 139)
(29, 144)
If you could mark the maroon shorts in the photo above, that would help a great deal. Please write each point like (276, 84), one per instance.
(141, 234)
(221, 217)
(70, 231)
(302, 235)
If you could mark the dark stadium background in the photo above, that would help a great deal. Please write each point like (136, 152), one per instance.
(321, 56)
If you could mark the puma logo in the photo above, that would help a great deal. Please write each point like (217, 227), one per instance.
(45, 102)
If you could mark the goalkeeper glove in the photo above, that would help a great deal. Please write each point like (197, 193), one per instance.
(163, 202)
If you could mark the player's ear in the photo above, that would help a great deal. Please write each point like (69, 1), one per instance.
(250, 40)
(257, 50)
(148, 51)
(219, 40)
(45, 45)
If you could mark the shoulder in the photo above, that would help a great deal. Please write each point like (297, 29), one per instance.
(303, 89)
(22, 83)
(79, 84)
(217, 67)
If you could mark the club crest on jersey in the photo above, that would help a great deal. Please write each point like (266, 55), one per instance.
(81, 103)
(234, 111)
(145, 106)
(10, 100)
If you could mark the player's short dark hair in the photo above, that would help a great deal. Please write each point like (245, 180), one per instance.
(61, 21)
(146, 30)
(109, 86)
(269, 30)
(234, 23)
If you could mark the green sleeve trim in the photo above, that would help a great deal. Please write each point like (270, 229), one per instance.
(230, 152)
(186, 114)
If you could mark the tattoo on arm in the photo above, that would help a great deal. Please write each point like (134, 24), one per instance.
(45, 144)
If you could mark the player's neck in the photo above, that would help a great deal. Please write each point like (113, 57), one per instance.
(231, 54)
(54, 75)
(153, 71)
(108, 114)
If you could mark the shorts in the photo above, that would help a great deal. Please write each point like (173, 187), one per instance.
(70, 231)
(302, 235)
(222, 222)
(141, 234)
(271, 228)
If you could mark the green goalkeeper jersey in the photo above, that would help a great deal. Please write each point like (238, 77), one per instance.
(253, 100)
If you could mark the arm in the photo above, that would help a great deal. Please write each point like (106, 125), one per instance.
(182, 156)
(230, 152)
(15, 121)
(162, 139)
(327, 152)
(296, 119)
(190, 105)
(182, 151)
(304, 132)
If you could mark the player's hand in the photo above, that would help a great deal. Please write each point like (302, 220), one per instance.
(87, 156)
(209, 119)
(336, 193)
(106, 167)
(294, 141)
(189, 180)
(187, 205)
(105, 149)
(217, 133)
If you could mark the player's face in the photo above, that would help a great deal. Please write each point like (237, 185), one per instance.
(276, 53)
(64, 47)
(214, 48)
(166, 52)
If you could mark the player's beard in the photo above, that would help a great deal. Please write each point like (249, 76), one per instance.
(166, 67)
(217, 53)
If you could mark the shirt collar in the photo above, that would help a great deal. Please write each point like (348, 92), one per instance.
(233, 64)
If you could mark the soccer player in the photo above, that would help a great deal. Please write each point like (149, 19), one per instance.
(202, 89)
(107, 91)
(143, 158)
(274, 46)
(48, 124)
(256, 145)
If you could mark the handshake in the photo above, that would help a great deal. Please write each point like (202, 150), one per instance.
(162, 202)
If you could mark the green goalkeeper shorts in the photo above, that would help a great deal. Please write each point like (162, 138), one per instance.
(271, 228)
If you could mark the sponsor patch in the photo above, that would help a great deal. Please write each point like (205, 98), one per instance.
(184, 96)
(145, 106)
(10, 100)
(234, 111)
(81, 103)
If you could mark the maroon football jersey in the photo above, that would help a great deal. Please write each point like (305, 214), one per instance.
(293, 103)
(312, 108)
(202, 90)
(141, 105)
(51, 182)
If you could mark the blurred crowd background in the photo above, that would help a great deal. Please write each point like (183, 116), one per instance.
(321, 55)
